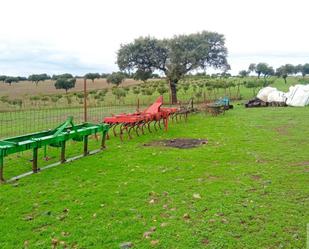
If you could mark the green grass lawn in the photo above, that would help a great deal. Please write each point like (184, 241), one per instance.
(252, 179)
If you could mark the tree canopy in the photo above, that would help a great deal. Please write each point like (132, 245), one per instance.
(261, 68)
(303, 69)
(10, 80)
(65, 83)
(116, 78)
(65, 75)
(143, 75)
(92, 76)
(243, 73)
(36, 78)
(2, 78)
(285, 70)
(174, 57)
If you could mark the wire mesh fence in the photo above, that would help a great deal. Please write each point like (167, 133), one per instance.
(24, 121)
(19, 122)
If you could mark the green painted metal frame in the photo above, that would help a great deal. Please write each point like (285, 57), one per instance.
(55, 138)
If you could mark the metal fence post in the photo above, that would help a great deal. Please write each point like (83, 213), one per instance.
(85, 100)
(35, 160)
(137, 104)
(1, 167)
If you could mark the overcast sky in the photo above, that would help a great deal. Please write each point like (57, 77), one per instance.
(56, 36)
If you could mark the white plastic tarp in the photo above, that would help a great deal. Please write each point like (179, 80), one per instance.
(276, 96)
(264, 92)
(298, 95)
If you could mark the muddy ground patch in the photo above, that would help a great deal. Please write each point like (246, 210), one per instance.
(180, 143)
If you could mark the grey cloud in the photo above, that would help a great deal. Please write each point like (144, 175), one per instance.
(27, 58)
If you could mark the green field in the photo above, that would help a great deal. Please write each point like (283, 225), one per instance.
(247, 188)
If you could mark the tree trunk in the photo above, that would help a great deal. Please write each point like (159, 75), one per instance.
(173, 91)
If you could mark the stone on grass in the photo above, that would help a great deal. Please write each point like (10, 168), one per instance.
(126, 245)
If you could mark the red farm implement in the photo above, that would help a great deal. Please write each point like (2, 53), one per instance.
(140, 121)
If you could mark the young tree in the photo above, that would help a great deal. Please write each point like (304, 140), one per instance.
(174, 57)
(186, 87)
(119, 93)
(116, 78)
(254, 84)
(65, 83)
(92, 76)
(199, 94)
(162, 89)
(136, 90)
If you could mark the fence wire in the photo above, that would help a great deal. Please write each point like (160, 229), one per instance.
(18, 122)
(24, 121)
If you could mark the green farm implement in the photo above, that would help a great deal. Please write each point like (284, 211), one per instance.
(54, 138)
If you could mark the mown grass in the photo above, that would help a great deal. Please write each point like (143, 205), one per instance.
(252, 178)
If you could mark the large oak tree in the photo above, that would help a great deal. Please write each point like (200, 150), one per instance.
(174, 57)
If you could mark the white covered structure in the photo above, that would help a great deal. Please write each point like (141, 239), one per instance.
(264, 92)
(297, 95)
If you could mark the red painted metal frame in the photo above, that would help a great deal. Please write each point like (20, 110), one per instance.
(140, 120)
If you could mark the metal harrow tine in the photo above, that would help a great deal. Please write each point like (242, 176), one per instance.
(142, 127)
(129, 134)
(148, 125)
(155, 122)
(136, 129)
(114, 131)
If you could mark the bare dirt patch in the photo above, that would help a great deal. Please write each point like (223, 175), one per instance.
(256, 177)
(283, 130)
(305, 163)
(180, 143)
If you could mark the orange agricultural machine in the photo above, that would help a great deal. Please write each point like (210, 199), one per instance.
(139, 121)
